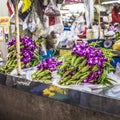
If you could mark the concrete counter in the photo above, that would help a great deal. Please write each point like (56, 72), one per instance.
(21, 99)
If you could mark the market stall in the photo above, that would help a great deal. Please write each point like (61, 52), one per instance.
(48, 36)
(66, 54)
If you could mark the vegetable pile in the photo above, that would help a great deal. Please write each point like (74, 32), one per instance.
(28, 52)
(86, 64)
(118, 36)
(45, 69)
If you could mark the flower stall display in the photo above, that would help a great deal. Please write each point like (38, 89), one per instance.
(86, 64)
(28, 51)
(45, 69)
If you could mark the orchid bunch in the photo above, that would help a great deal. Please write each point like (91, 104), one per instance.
(87, 65)
(50, 64)
(45, 69)
(28, 52)
(93, 57)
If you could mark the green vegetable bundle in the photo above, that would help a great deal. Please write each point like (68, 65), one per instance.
(118, 36)
(28, 52)
(45, 69)
(42, 76)
(86, 64)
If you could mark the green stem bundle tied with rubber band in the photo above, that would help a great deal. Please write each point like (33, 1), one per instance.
(45, 69)
(86, 64)
(28, 52)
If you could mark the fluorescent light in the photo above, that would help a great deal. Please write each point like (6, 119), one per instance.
(111, 2)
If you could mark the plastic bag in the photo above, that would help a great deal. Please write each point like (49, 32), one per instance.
(25, 14)
(52, 9)
(25, 26)
(64, 38)
(26, 5)
(115, 76)
(25, 73)
(72, 40)
(43, 49)
(84, 87)
(113, 92)
(78, 26)
(56, 25)
(118, 69)
(32, 22)
(45, 2)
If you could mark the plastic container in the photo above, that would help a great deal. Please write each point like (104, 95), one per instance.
(50, 54)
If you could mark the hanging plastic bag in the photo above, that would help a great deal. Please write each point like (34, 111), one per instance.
(52, 9)
(25, 26)
(26, 5)
(32, 22)
(56, 24)
(43, 49)
(39, 29)
(45, 2)
(24, 15)
(78, 26)
(51, 20)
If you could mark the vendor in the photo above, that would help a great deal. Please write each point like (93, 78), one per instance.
(51, 40)
(115, 14)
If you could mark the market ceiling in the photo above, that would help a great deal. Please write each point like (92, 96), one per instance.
(96, 1)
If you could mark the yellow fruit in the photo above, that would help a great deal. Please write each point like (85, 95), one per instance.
(116, 46)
